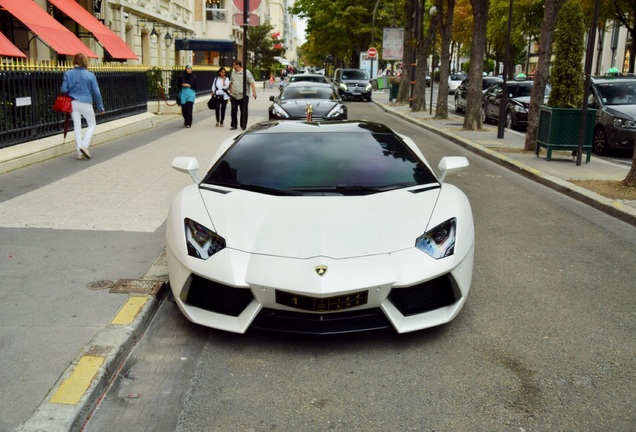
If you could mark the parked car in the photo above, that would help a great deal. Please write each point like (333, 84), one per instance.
(291, 103)
(454, 80)
(614, 98)
(331, 227)
(352, 84)
(461, 94)
(517, 102)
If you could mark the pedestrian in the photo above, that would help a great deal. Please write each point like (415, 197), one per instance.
(81, 85)
(237, 98)
(187, 94)
(220, 89)
(271, 81)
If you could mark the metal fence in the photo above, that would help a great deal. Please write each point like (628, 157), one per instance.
(27, 96)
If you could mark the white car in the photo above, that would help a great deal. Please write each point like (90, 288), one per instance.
(320, 228)
(454, 80)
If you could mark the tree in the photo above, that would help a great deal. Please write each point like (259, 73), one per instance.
(472, 117)
(551, 10)
(567, 71)
(445, 10)
(261, 44)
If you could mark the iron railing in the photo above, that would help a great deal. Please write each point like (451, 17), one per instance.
(28, 91)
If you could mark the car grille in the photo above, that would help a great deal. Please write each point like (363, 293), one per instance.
(321, 324)
(215, 297)
(427, 296)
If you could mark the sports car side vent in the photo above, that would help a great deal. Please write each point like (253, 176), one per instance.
(215, 297)
(427, 296)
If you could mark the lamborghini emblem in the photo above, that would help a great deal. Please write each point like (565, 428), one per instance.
(321, 270)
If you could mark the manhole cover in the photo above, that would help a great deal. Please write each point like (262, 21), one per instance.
(137, 286)
(100, 285)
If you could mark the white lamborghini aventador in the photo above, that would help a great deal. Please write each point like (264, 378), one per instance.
(320, 228)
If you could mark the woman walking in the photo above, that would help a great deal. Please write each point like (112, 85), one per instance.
(187, 94)
(220, 91)
(81, 85)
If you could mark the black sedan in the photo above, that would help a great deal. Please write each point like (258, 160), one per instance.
(461, 94)
(295, 100)
(517, 100)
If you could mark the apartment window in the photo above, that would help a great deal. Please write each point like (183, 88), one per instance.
(215, 10)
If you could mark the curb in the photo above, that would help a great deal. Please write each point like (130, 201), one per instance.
(79, 389)
(609, 206)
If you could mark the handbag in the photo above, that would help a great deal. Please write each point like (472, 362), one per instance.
(63, 104)
(212, 103)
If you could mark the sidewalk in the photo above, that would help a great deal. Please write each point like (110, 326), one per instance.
(150, 186)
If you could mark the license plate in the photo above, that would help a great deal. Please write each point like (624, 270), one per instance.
(356, 93)
(322, 304)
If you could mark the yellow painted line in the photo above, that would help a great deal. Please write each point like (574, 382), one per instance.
(74, 387)
(129, 310)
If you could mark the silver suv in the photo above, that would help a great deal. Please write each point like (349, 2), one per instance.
(614, 98)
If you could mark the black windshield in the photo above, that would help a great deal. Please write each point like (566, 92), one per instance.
(346, 163)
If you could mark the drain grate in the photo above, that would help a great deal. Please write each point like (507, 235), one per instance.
(137, 286)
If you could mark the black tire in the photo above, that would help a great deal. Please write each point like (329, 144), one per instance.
(484, 117)
(457, 107)
(599, 141)
(510, 120)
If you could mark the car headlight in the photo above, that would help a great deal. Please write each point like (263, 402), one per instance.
(202, 242)
(439, 242)
(336, 112)
(369, 87)
(343, 87)
(278, 112)
(624, 123)
(519, 108)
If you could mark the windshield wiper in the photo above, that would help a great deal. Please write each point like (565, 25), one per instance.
(349, 189)
(259, 188)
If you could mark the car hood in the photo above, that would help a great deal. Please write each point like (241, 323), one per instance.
(298, 107)
(360, 83)
(302, 227)
(622, 110)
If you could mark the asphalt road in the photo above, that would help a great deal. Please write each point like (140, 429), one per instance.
(545, 342)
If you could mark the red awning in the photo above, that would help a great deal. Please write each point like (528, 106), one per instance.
(51, 32)
(112, 43)
(7, 49)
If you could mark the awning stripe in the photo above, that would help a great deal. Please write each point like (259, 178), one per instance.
(112, 43)
(51, 32)
(7, 49)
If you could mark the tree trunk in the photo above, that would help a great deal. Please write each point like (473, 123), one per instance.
(472, 117)
(419, 92)
(550, 12)
(445, 22)
(404, 92)
(630, 180)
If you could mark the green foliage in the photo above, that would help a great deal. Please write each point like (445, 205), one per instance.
(343, 28)
(155, 76)
(261, 44)
(567, 75)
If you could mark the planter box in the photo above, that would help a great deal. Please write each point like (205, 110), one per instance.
(559, 130)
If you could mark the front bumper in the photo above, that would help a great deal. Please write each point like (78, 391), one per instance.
(400, 292)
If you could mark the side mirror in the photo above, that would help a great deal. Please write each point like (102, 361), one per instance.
(188, 165)
(271, 98)
(449, 163)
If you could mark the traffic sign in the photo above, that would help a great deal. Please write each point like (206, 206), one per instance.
(372, 52)
(252, 4)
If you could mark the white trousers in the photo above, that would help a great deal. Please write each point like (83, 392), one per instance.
(82, 109)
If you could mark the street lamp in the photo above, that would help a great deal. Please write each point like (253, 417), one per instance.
(432, 13)
(168, 39)
(154, 36)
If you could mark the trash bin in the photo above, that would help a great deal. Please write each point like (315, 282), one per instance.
(383, 83)
(395, 88)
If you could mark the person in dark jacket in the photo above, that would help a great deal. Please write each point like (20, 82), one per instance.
(187, 95)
